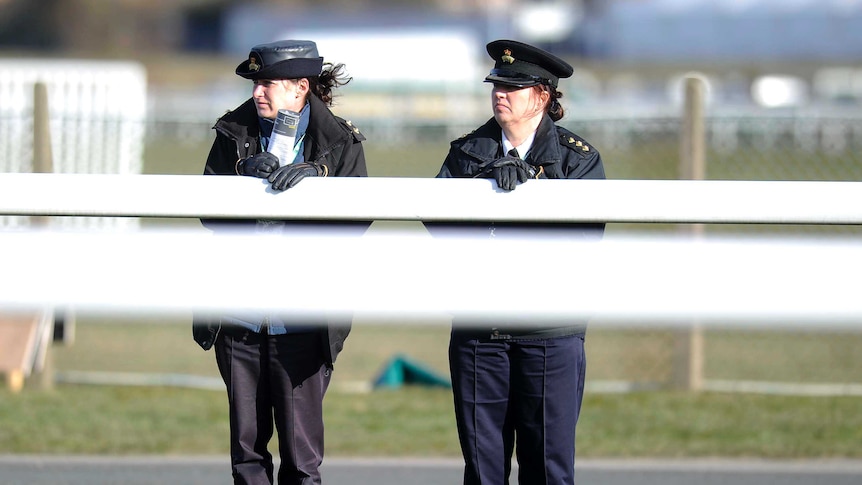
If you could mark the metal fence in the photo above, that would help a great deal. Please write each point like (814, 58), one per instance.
(753, 146)
(743, 145)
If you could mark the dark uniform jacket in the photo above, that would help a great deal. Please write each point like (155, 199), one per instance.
(329, 140)
(558, 154)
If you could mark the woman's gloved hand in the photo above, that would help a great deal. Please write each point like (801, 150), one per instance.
(289, 175)
(261, 165)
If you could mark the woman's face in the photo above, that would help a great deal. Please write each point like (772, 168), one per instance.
(271, 95)
(512, 105)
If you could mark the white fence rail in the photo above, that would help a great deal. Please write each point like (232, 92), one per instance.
(411, 277)
(415, 199)
(403, 275)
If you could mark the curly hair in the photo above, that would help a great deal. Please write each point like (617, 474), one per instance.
(332, 77)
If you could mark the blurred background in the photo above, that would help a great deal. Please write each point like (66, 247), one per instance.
(783, 77)
(134, 86)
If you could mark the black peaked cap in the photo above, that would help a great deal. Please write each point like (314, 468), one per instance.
(284, 59)
(522, 65)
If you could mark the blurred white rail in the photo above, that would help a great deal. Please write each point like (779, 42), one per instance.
(428, 199)
(405, 276)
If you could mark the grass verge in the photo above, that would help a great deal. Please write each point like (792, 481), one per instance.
(415, 421)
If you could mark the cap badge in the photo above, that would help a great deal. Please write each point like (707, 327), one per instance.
(507, 56)
(252, 64)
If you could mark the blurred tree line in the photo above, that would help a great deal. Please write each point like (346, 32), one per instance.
(117, 28)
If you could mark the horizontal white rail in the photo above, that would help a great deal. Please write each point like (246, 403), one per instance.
(408, 276)
(429, 199)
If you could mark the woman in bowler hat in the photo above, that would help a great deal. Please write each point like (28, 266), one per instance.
(276, 368)
(518, 386)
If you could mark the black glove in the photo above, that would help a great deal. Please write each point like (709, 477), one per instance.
(510, 171)
(290, 175)
(260, 165)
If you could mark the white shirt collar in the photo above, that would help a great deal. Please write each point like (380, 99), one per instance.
(523, 148)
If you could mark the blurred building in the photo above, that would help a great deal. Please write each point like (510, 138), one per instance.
(628, 30)
(725, 30)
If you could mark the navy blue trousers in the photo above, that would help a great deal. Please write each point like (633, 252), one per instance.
(517, 395)
(280, 380)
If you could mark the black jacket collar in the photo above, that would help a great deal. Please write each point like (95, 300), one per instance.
(486, 142)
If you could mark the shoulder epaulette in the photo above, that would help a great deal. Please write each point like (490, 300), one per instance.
(465, 135)
(574, 143)
(352, 128)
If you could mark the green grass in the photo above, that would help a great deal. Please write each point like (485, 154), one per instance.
(416, 421)
(804, 356)
(419, 422)
(112, 420)
(672, 424)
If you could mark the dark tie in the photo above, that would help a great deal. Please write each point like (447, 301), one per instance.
(513, 153)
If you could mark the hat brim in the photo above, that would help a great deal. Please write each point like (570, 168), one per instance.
(517, 82)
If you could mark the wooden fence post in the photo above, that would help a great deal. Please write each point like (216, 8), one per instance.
(42, 376)
(688, 345)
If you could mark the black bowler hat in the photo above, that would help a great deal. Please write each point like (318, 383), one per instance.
(522, 65)
(284, 59)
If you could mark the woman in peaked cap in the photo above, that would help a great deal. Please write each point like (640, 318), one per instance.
(518, 386)
(289, 75)
(277, 367)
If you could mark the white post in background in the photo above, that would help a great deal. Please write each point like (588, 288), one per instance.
(688, 343)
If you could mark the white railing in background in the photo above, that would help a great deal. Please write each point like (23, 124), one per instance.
(416, 199)
(94, 119)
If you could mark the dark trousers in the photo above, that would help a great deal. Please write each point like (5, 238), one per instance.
(280, 379)
(522, 395)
